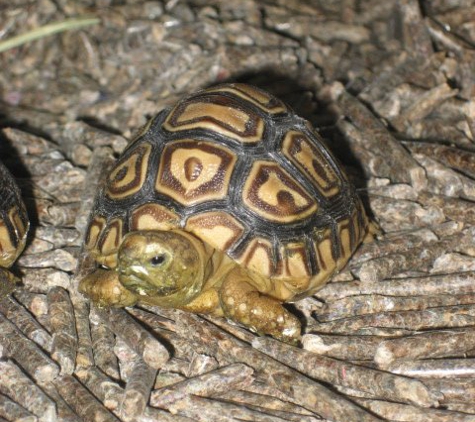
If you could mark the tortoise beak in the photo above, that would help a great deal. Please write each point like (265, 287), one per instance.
(136, 279)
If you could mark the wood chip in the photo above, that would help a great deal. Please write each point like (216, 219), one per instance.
(302, 390)
(434, 368)
(433, 344)
(26, 353)
(104, 388)
(13, 411)
(63, 324)
(139, 339)
(82, 401)
(15, 384)
(352, 348)
(408, 413)
(375, 141)
(137, 390)
(25, 322)
(210, 383)
(332, 371)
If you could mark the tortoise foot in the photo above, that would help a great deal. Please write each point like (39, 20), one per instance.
(104, 289)
(243, 303)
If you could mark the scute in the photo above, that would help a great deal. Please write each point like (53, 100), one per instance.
(8, 248)
(96, 227)
(218, 113)
(103, 239)
(111, 237)
(294, 261)
(217, 228)
(255, 96)
(14, 221)
(258, 257)
(153, 217)
(312, 161)
(128, 175)
(324, 249)
(194, 171)
(275, 195)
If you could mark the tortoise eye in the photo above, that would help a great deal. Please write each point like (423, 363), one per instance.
(158, 260)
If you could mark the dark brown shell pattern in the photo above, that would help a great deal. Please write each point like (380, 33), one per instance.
(236, 167)
(13, 219)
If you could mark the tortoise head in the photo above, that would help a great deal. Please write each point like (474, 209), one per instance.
(165, 268)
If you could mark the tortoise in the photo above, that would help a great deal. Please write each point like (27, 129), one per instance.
(227, 204)
(14, 226)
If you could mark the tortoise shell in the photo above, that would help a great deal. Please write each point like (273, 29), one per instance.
(13, 220)
(237, 168)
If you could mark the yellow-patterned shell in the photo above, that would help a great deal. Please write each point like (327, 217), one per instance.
(234, 166)
(14, 221)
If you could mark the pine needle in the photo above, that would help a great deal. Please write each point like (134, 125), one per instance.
(46, 30)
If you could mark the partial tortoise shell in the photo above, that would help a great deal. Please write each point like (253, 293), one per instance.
(236, 167)
(14, 221)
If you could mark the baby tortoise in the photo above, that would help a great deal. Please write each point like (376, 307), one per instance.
(14, 226)
(227, 204)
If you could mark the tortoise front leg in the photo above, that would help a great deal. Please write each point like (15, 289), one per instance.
(206, 303)
(243, 303)
(104, 289)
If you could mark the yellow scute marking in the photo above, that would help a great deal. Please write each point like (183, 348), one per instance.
(218, 229)
(267, 192)
(18, 223)
(128, 177)
(356, 226)
(260, 98)
(297, 265)
(194, 171)
(233, 117)
(147, 222)
(299, 149)
(345, 241)
(306, 157)
(153, 217)
(178, 167)
(227, 120)
(95, 228)
(94, 232)
(259, 261)
(325, 252)
(257, 257)
(217, 236)
(131, 166)
(7, 249)
(272, 193)
(111, 240)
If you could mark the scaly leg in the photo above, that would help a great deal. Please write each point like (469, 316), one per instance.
(243, 303)
(104, 289)
(206, 303)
